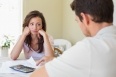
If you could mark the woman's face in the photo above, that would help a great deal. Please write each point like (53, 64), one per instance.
(35, 25)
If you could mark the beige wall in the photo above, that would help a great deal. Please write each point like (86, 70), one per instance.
(59, 17)
(52, 11)
(71, 30)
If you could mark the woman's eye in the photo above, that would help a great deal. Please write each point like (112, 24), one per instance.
(39, 24)
(31, 23)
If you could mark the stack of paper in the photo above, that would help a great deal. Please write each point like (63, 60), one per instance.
(5, 65)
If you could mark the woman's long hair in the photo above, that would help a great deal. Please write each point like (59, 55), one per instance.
(26, 21)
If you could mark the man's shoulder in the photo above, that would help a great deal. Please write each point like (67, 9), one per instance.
(88, 41)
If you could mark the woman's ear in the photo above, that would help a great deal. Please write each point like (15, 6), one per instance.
(85, 19)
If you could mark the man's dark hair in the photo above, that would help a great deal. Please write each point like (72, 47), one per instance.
(100, 10)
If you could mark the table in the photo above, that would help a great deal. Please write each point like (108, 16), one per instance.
(3, 59)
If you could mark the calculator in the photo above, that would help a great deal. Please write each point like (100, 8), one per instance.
(22, 68)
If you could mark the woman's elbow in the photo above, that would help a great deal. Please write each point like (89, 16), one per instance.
(13, 57)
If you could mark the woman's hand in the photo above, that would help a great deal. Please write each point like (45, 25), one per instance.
(26, 31)
(41, 32)
(44, 60)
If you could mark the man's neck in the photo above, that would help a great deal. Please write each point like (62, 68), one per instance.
(96, 27)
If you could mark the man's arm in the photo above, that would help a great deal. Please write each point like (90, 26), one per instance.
(41, 72)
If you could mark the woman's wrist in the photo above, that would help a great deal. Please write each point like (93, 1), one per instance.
(45, 36)
(23, 35)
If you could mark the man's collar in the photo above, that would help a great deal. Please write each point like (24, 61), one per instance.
(108, 29)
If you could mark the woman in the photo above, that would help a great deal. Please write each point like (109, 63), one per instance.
(34, 39)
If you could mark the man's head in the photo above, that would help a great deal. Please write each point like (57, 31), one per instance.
(98, 10)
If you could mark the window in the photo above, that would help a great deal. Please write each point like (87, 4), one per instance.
(10, 17)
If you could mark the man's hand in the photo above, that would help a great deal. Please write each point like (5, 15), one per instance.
(44, 60)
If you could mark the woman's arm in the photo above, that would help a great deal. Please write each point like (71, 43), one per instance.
(47, 46)
(18, 46)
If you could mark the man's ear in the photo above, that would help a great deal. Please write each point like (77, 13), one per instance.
(85, 19)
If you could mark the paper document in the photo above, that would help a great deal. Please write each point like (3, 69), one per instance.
(5, 65)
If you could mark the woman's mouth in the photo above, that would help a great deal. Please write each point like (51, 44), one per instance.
(34, 31)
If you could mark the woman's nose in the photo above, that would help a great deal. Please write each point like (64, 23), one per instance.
(35, 27)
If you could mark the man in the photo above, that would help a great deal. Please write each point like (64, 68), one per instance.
(95, 56)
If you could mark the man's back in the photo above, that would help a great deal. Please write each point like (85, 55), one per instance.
(92, 57)
(103, 53)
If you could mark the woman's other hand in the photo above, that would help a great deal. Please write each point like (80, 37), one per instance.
(44, 60)
(26, 31)
(41, 32)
